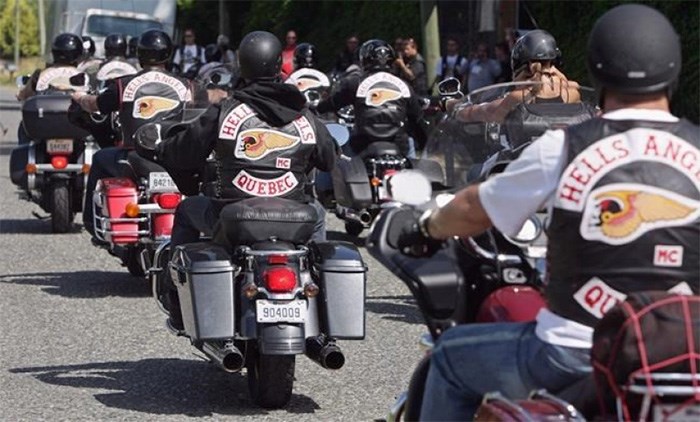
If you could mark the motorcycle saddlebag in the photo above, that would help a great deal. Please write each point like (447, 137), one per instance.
(351, 183)
(342, 281)
(19, 158)
(539, 407)
(112, 195)
(203, 275)
(46, 117)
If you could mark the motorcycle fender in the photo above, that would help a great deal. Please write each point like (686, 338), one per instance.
(281, 339)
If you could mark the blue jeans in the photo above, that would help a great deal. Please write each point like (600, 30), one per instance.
(472, 360)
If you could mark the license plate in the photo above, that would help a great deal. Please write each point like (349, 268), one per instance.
(267, 311)
(161, 182)
(59, 146)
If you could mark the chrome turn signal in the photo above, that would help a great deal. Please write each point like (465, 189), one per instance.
(311, 289)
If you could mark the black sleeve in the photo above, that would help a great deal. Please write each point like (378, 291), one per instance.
(187, 145)
(108, 101)
(323, 157)
(344, 96)
(420, 83)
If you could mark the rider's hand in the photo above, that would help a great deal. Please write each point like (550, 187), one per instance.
(216, 95)
(415, 240)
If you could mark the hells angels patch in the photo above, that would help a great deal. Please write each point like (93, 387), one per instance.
(382, 88)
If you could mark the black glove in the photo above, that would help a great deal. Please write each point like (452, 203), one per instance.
(415, 241)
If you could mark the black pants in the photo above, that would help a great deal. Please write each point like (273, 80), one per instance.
(105, 163)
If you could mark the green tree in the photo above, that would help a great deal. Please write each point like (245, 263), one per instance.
(28, 29)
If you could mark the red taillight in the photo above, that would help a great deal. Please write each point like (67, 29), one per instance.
(59, 162)
(280, 280)
(168, 201)
(277, 259)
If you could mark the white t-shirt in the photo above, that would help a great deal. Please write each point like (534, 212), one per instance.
(531, 181)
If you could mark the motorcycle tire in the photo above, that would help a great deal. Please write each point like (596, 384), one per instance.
(416, 388)
(132, 261)
(270, 379)
(61, 213)
(353, 228)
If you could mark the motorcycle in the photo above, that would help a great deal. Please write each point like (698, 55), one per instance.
(257, 294)
(51, 169)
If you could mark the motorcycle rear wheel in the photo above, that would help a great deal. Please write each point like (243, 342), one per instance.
(270, 379)
(132, 260)
(61, 213)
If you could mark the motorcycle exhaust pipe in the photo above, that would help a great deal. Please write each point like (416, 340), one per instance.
(365, 217)
(228, 357)
(325, 353)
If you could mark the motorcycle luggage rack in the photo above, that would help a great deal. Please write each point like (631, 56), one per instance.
(102, 225)
(668, 384)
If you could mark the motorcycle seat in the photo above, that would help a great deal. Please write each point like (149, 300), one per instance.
(377, 149)
(142, 166)
(258, 219)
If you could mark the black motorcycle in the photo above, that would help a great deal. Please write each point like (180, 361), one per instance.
(51, 169)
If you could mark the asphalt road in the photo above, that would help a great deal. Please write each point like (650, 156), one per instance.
(80, 339)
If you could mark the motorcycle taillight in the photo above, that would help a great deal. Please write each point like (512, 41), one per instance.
(280, 279)
(168, 201)
(59, 162)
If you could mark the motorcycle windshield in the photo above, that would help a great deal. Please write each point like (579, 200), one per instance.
(500, 118)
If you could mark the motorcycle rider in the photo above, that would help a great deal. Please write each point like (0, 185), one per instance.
(90, 63)
(248, 165)
(66, 50)
(384, 104)
(624, 207)
(133, 97)
(533, 59)
(311, 82)
(115, 63)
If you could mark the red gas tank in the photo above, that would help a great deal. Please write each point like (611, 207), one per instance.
(511, 304)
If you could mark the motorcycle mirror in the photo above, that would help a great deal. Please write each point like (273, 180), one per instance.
(529, 231)
(340, 133)
(449, 87)
(409, 187)
(22, 80)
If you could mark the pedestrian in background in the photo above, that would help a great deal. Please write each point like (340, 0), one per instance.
(348, 56)
(411, 67)
(483, 70)
(451, 64)
(290, 45)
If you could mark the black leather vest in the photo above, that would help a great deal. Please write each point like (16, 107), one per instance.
(115, 68)
(381, 101)
(312, 83)
(527, 122)
(254, 158)
(150, 96)
(58, 75)
(626, 215)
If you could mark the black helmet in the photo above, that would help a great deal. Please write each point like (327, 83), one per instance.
(259, 55)
(305, 56)
(154, 48)
(88, 46)
(633, 49)
(376, 55)
(115, 45)
(132, 46)
(67, 49)
(212, 53)
(537, 45)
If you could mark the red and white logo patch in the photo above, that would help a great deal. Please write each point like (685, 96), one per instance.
(597, 298)
(283, 163)
(265, 187)
(668, 256)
